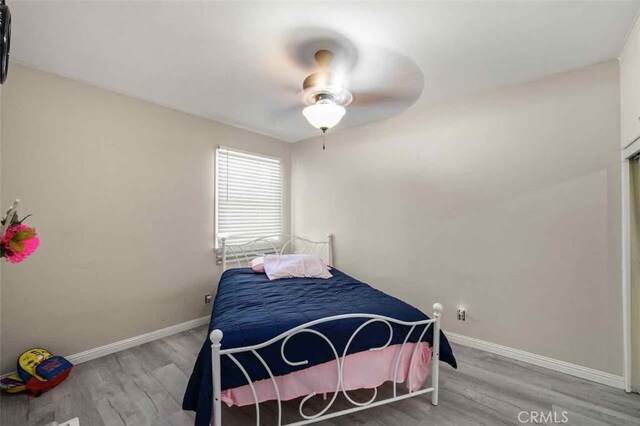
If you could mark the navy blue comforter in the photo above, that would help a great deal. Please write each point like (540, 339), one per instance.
(250, 309)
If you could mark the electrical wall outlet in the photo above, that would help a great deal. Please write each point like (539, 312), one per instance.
(462, 314)
(207, 298)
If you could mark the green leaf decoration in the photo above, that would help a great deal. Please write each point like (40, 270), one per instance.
(24, 234)
(17, 246)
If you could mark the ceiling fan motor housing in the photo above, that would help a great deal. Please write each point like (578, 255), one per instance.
(324, 86)
(320, 87)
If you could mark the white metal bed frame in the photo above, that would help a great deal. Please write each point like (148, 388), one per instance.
(244, 253)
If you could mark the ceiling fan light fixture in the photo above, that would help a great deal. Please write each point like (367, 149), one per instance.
(324, 115)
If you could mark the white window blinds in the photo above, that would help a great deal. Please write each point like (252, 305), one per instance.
(248, 196)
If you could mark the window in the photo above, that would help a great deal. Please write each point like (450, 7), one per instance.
(248, 196)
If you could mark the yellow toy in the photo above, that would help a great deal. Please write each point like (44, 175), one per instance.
(12, 384)
(29, 360)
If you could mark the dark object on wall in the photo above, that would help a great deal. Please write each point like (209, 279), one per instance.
(5, 40)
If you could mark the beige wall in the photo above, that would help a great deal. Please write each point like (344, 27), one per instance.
(122, 196)
(630, 87)
(507, 203)
(630, 131)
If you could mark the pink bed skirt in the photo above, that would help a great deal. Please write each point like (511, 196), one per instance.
(362, 370)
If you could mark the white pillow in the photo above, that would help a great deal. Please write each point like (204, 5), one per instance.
(295, 266)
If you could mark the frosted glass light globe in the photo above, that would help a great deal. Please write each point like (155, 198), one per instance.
(324, 115)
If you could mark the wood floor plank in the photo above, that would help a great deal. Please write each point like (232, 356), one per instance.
(14, 409)
(72, 400)
(145, 385)
(93, 385)
(173, 380)
(162, 402)
(540, 397)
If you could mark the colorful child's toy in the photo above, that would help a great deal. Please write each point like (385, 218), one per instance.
(37, 371)
(12, 384)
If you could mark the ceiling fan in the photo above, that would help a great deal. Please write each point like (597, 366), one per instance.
(325, 95)
(349, 83)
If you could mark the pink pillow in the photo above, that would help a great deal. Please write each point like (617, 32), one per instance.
(295, 266)
(257, 265)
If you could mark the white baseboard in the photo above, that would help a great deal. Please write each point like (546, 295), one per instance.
(517, 354)
(121, 345)
(540, 360)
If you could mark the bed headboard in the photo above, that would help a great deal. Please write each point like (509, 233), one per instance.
(241, 254)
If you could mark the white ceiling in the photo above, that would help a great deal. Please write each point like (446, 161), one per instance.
(232, 61)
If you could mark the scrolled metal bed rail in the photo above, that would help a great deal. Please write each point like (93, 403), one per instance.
(240, 255)
(217, 353)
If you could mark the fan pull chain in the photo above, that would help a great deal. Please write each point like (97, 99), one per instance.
(324, 131)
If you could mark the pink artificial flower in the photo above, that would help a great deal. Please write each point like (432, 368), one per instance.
(18, 242)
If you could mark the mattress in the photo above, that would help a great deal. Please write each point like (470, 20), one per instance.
(250, 309)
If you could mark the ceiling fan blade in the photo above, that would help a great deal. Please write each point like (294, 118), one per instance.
(302, 44)
(290, 87)
(381, 97)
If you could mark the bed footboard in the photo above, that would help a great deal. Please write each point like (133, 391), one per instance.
(420, 327)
